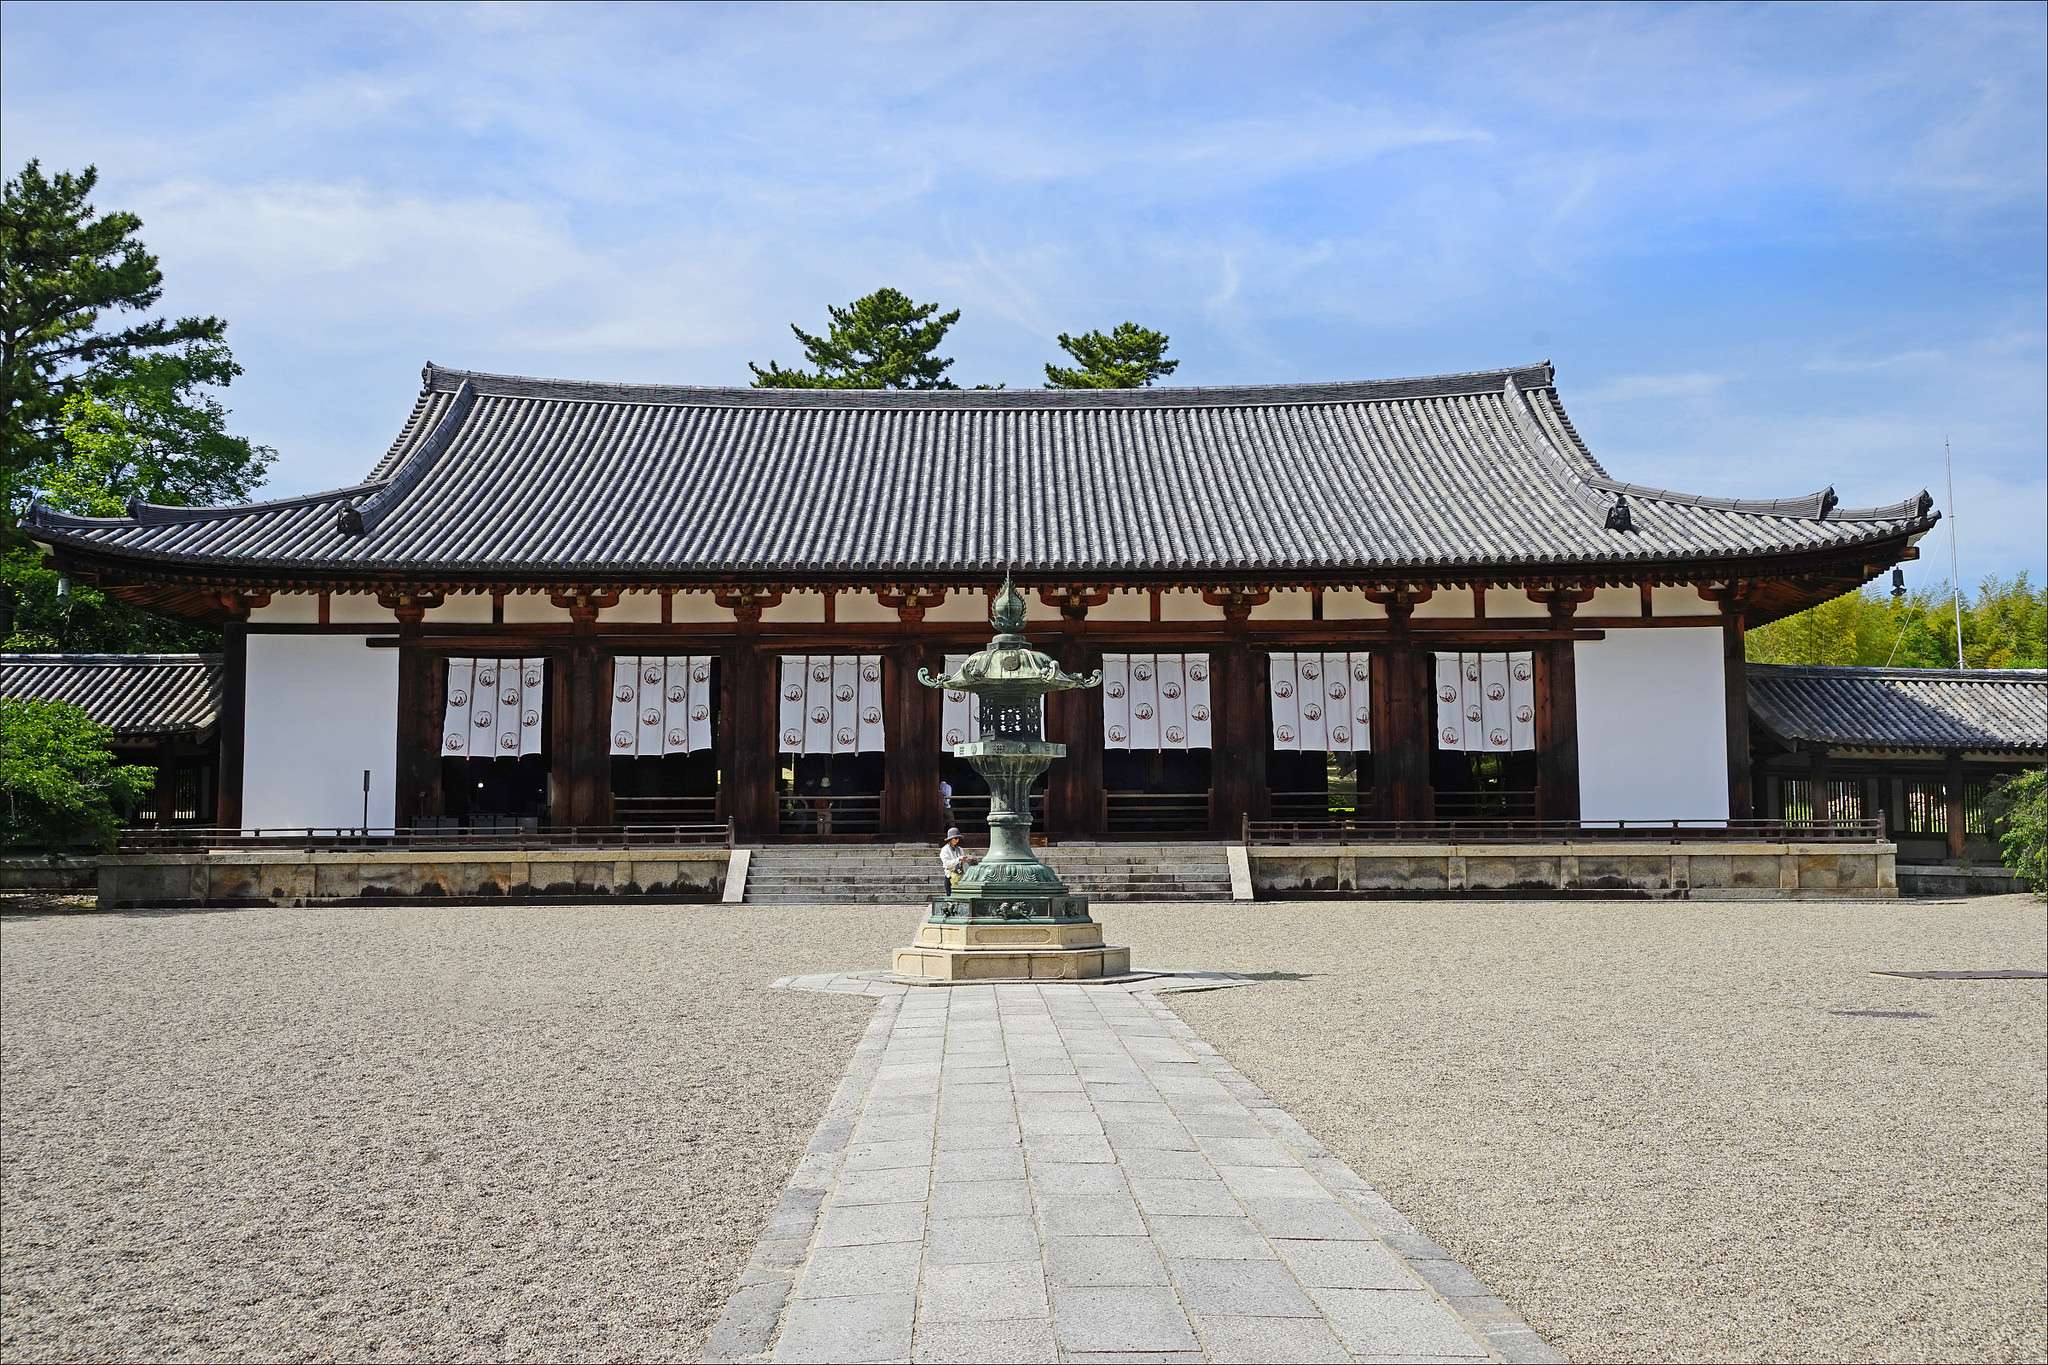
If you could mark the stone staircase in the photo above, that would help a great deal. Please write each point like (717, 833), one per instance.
(908, 874)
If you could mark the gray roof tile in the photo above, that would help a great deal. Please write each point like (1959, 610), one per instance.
(141, 696)
(507, 475)
(1982, 710)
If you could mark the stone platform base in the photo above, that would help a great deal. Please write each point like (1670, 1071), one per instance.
(411, 876)
(1701, 870)
(943, 966)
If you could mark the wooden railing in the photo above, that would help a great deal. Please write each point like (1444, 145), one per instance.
(821, 816)
(1558, 831)
(517, 835)
(665, 810)
(1482, 805)
(1155, 812)
(1318, 806)
(970, 812)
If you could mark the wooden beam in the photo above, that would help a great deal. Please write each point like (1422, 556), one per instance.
(1557, 731)
(1735, 711)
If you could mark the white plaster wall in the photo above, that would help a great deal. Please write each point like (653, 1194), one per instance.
(1446, 603)
(863, 608)
(1351, 604)
(533, 609)
(1652, 737)
(463, 608)
(795, 609)
(1123, 606)
(289, 608)
(357, 609)
(1614, 602)
(1508, 601)
(321, 709)
(634, 609)
(969, 606)
(1287, 604)
(1681, 602)
(1180, 604)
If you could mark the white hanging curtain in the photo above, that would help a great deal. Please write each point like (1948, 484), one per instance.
(959, 719)
(1486, 703)
(1322, 703)
(831, 704)
(494, 708)
(660, 705)
(1155, 701)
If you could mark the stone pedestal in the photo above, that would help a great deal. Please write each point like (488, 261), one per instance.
(1059, 950)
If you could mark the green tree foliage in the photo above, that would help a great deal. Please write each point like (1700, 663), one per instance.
(2006, 626)
(84, 620)
(1131, 357)
(59, 783)
(883, 341)
(2023, 834)
(63, 267)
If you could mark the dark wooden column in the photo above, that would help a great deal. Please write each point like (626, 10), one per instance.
(1735, 694)
(910, 726)
(416, 768)
(1817, 777)
(1952, 783)
(1073, 798)
(1557, 708)
(1403, 712)
(1238, 741)
(234, 706)
(167, 781)
(581, 765)
(749, 750)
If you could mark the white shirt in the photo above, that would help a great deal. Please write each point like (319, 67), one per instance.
(952, 857)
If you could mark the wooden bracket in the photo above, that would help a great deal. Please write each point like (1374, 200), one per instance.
(1074, 600)
(410, 608)
(583, 605)
(240, 604)
(911, 603)
(1237, 603)
(745, 604)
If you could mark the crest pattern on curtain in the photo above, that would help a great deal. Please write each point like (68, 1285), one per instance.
(1486, 703)
(1322, 703)
(1155, 701)
(660, 705)
(494, 708)
(831, 704)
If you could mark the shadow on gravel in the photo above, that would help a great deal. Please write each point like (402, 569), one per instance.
(1881, 1014)
(1279, 976)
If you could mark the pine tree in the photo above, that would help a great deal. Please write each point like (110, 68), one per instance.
(63, 266)
(1131, 357)
(883, 341)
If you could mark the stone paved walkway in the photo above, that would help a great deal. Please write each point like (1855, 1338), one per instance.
(1066, 1172)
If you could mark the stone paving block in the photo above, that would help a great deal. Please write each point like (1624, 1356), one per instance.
(1045, 1079)
(1133, 1357)
(1126, 1318)
(985, 1163)
(1208, 1238)
(1048, 1066)
(747, 1325)
(1053, 1122)
(1162, 1164)
(1204, 1197)
(1448, 1277)
(781, 1251)
(1395, 1322)
(896, 1185)
(1089, 1216)
(1314, 1219)
(1090, 1178)
(1103, 1261)
(896, 1104)
(1168, 1137)
(970, 1137)
(867, 1224)
(861, 1271)
(1027, 1342)
(1068, 1147)
(853, 1331)
(1269, 1182)
(1054, 1102)
(796, 1213)
(1220, 1123)
(1257, 1151)
(1253, 1289)
(982, 1199)
(1121, 1092)
(988, 1292)
(1344, 1265)
(1258, 1341)
(883, 1156)
(975, 1112)
(974, 1241)
(831, 1136)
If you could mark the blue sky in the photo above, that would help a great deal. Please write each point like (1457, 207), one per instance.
(1769, 248)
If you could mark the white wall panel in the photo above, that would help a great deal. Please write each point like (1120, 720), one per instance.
(321, 709)
(1652, 729)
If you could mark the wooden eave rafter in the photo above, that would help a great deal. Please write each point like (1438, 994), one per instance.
(1770, 587)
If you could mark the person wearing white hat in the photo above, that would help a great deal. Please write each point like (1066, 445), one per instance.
(953, 858)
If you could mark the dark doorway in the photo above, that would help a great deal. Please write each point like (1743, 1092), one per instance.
(830, 794)
(486, 793)
(1320, 786)
(1158, 791)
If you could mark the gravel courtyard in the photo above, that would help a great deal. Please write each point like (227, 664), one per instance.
(1660, 1130)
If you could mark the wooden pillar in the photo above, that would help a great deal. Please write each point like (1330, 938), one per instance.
(1557, 731)
(1402, 706)
(910, 782)
(418, 765)
(167, 782)
(1952, 784)
(581, 764)
(750, 754)
(1735, 694)
(1073, 798)
(1817, 779)
(234, 715)
(1237, 757)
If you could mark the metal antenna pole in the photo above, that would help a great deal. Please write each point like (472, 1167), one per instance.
(1955, 574)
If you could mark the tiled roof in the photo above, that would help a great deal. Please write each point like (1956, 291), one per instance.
(499, 474)
(142, 696)
(1977, 709)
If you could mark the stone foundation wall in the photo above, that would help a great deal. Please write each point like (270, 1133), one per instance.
(69, 872)
(237, 877)
(1701, 871)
